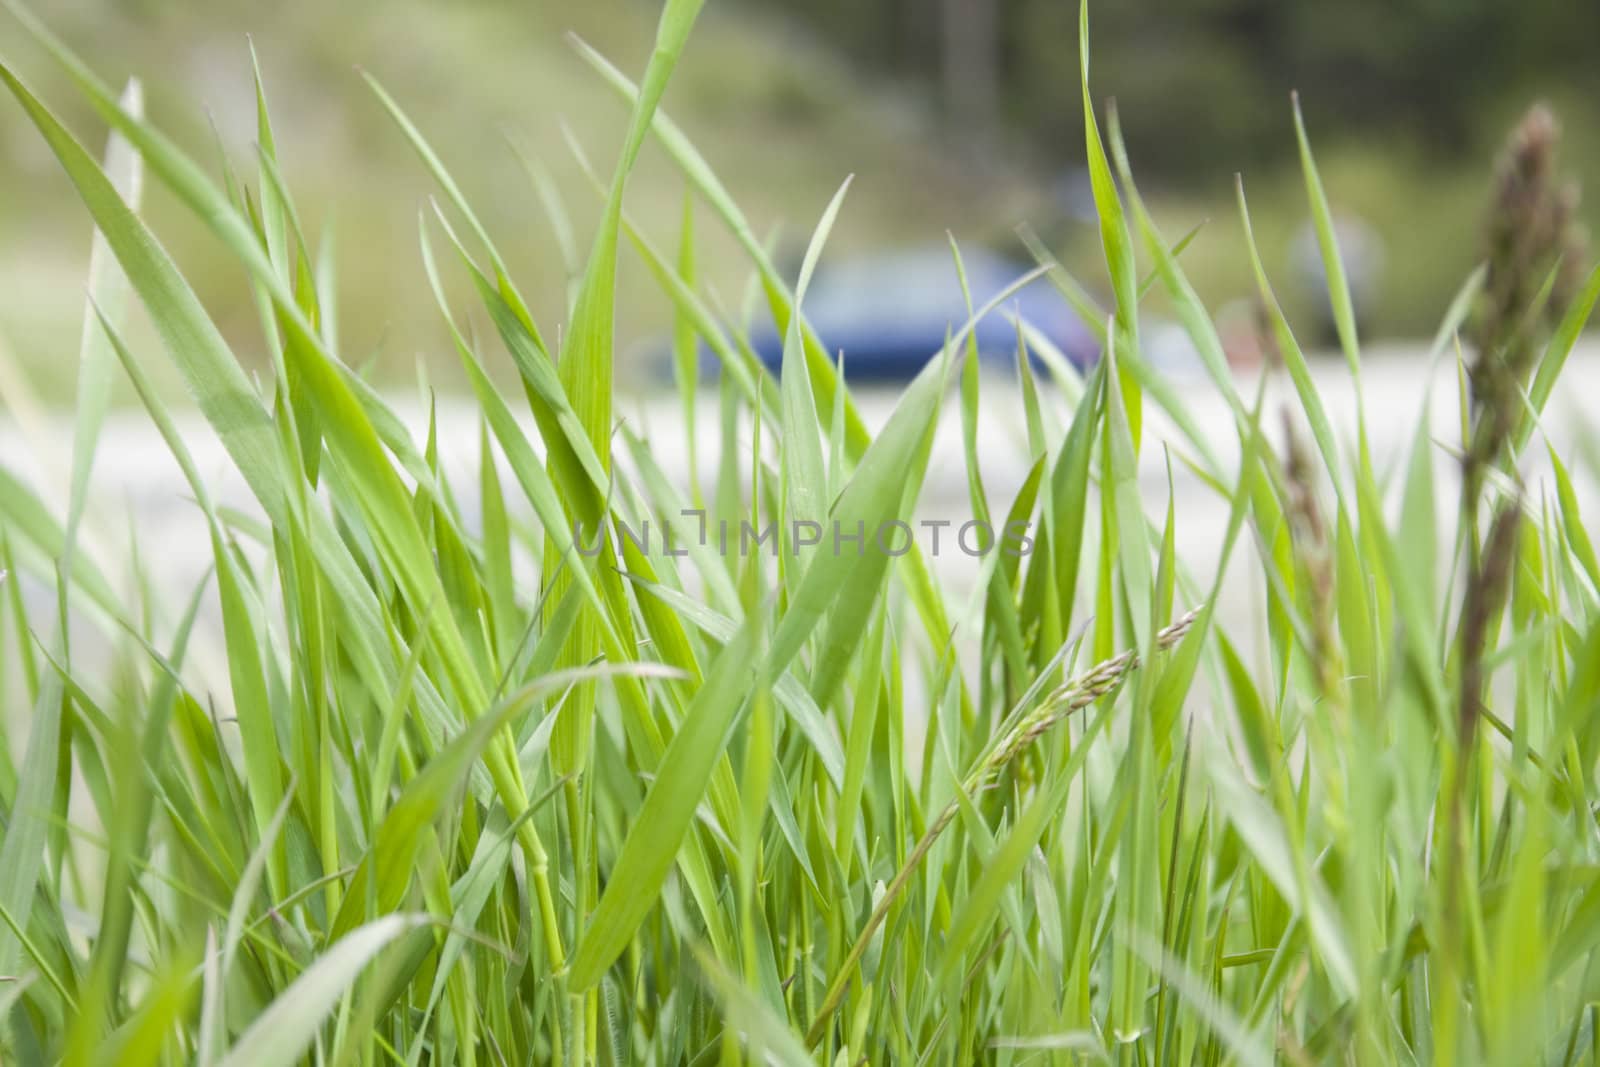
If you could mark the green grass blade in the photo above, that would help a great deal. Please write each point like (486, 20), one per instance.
(804, 483)
(279, 1035)
(657, 830)
(1344, 315)
(107, 292)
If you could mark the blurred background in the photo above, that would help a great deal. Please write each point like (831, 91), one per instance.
(959, 115)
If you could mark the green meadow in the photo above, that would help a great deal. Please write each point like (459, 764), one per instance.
(474, 777)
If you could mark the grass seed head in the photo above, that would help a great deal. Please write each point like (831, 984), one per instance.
(1530, 231)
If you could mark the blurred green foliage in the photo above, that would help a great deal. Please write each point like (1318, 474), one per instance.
(1407, 103)
(1201, 82)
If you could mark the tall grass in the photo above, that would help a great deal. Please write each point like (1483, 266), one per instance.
(470, 790)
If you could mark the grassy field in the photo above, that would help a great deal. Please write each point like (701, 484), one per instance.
(397, 782)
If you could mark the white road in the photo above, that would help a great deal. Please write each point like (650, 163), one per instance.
(138, 487)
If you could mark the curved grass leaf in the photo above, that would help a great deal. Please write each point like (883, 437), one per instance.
(279, 1035)
(657, 831)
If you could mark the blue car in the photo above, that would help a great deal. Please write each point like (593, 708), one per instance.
(890, 314)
